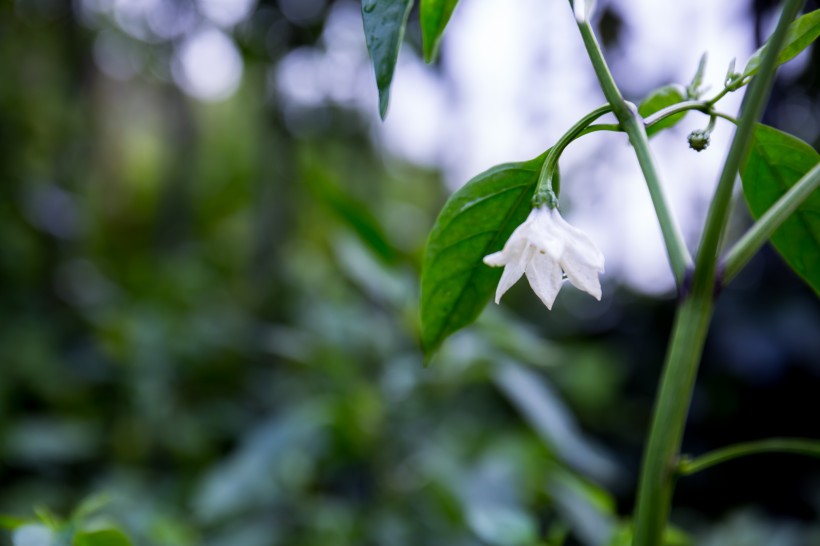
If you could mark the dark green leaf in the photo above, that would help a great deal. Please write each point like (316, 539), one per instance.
(384, 22)
(434, 16)
(659, 99)
(102, 537)
(802, 32)
(475, 221)
(776, 161)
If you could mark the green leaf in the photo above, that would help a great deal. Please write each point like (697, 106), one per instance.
(11, 522)
(384, 22)
(434, 15)
(776, 161)
(102, 537)
(802, 32)
(659, 99)
(475, 221)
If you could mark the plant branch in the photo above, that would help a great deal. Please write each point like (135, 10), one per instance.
(679, 257)
(750, 112)
(677, 108)
(700, 106)
(772, 219)
(658, 469)
(544, 191)
(799, 446)
(614, 127)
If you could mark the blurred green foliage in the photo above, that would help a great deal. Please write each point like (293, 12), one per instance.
(212, 317)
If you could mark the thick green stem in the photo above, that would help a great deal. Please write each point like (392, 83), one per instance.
(659, 467)
(764, 228)
(750, 112)
(688, 337)
(797, 446)
(629, 120)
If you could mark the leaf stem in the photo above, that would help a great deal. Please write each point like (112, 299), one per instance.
(764, 228)
(799, 446)
(679, 257)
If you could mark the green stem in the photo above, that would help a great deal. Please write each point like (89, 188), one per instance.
(658, 470)
(720, 95)
(686, 106)
(727, 117)
(659, 466)
(629, 120)
(799, 446)
(677, 108)
(543, 190)
(614, 127)
(750, 112)
(762, 230)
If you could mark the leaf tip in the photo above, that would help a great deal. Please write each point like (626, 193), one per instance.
(384, 100)
(430, 47)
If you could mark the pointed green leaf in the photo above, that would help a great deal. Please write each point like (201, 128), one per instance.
(384, 22)
(802, 32)
(776, 161)
(475, 221)
(659, 99)
(434, 16)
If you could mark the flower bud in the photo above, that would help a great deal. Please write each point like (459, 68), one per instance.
(699, 140)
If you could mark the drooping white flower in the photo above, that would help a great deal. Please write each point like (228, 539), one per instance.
(544, 248)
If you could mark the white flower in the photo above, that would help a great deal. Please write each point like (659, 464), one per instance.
(543, 246)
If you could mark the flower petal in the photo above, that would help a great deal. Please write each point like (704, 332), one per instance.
(544, 275)
(545, 234)
(512, 272)
(581, 273)
(579, 241)
(496, 259)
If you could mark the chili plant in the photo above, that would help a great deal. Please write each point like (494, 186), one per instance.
(508, 216)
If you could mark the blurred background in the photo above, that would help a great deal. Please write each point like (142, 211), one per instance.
(209, 264)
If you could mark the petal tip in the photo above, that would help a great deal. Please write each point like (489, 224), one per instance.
(495, 259)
